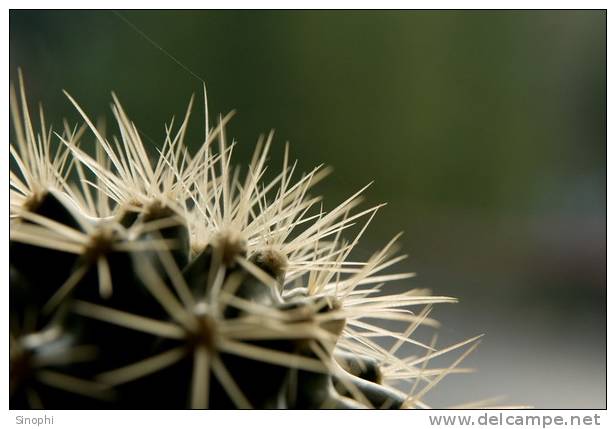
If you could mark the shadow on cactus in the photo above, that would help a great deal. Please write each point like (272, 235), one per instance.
(180, 283)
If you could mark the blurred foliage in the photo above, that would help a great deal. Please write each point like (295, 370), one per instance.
(484, 130)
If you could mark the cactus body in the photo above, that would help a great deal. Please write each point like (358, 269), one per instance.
(174, 284)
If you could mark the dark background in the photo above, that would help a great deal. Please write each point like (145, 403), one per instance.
(485, 132)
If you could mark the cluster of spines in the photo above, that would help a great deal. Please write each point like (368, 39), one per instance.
(174, 283)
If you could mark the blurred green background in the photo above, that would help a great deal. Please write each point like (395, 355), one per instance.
(485, 132)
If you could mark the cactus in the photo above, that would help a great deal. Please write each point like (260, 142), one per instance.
(176, 283)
